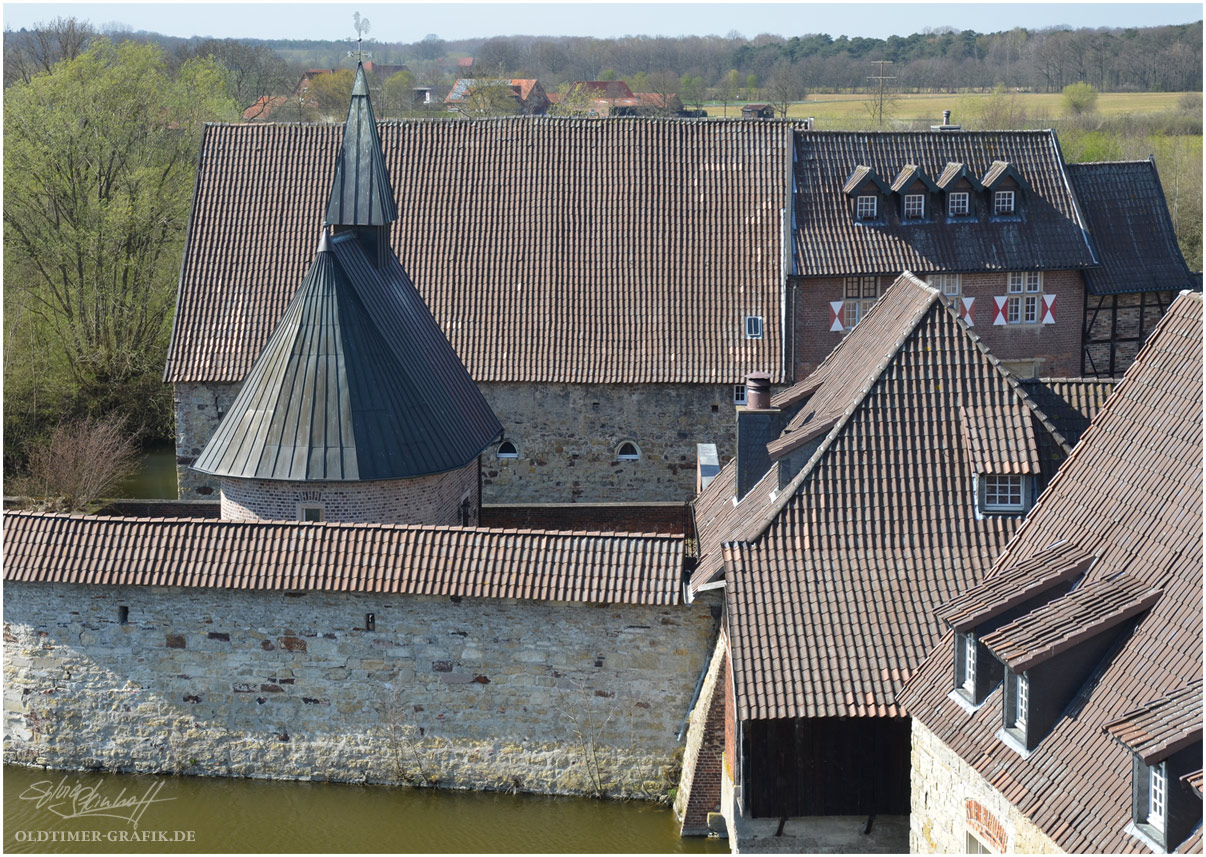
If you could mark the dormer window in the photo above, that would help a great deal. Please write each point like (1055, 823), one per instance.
(1004, 492)
(866, 208)
(914, 206)
(1006, 187)
(1003, 202)
(1021, 701)
(958, 204)
(969, 664)
(1164, 738)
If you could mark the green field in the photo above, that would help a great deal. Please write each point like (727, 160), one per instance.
(835, 111)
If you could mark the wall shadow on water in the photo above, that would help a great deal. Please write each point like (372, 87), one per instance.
(240, 815)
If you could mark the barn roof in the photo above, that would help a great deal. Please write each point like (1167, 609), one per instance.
(1130, 496)
(620, 568)
(548, 250)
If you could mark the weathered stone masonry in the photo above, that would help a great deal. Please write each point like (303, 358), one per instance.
(482, 693)
(567, 436)
(950, 799)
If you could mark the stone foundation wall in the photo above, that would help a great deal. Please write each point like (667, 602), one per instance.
(949, 800)
(567, 436)
(432, 500)
(478, 693)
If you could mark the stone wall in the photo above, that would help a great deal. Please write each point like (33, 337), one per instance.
(434, 500)
(567, 436)
(1047, 350)
(950, 799)
(199, 409)
(699, 786)
(479, 693)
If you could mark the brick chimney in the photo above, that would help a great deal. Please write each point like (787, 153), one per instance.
(757, 425)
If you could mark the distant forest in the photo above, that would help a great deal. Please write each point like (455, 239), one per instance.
(1150, 59)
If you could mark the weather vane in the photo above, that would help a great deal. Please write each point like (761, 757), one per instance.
(362, 27)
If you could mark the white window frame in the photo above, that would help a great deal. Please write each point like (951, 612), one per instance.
(958, 204)
(914, 206)
(1021, 704)
(951, 286)
(1157, 796)
(753, 327)
(739, 394)
(996, 504)
(969, 664)
(303, 508)
(866, 208)
(860, 294)
(1024, 305)
(514, 453)
(628, 456)
(1003, 202)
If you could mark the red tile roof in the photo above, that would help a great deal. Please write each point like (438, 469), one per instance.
(1000, 439)
(1131, 494)
(529, 564)
(1162, 727)
(832, 582)
(645, 244)
(1084, 612)
(1058, 564)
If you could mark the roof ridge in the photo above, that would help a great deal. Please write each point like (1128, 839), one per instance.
(785, 493)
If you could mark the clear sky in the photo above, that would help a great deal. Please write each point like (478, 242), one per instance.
(408, 22)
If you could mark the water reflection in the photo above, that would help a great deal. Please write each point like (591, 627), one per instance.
(228, 815)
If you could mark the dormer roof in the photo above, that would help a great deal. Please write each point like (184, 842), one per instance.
(1001, 170)
(1083, 613)
(361, 194)
(910, 175)
(860, 177)
(1157, 729)
(1015, 585)
(356, 383)
(953, 172)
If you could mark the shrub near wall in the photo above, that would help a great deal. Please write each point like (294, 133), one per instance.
(547, 697)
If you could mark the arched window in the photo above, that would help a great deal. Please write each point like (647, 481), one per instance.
(507, 449)
(628, 451)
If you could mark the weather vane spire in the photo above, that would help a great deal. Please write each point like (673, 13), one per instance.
(362, 27)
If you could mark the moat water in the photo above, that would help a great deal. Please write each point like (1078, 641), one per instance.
(45, 809)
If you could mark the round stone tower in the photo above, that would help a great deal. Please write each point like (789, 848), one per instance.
(357, 408)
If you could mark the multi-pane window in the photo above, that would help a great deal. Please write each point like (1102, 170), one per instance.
(753, 327)
(950, 285)
(1023, 702)
(969, 663)
(1025, 296)
(1157, 795)
(1002, 202)
(1003, 492)
(739, 394)
(866, 207)
(957, 204)
(861, 294)
(914, 205)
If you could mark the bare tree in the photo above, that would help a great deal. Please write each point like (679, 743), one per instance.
(32, 52)
(81, 462)
(783, 88)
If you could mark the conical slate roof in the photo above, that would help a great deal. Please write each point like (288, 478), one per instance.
(361, 194)
(357, 382)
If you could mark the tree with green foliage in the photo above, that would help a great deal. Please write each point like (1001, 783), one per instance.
(1079, 99)
(691, 91)
(331, 92)
(398, 95)
(730, 86)
(751, 87)
(98, 169)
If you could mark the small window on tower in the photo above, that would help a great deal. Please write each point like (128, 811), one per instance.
(311, 513)
(628, 451)
(507, 449)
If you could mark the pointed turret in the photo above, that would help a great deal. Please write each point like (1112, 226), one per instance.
(356, 383)
(361, 194)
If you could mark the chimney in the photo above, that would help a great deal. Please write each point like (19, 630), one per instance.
(757, 425)
(946, 123)
(946, 117)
